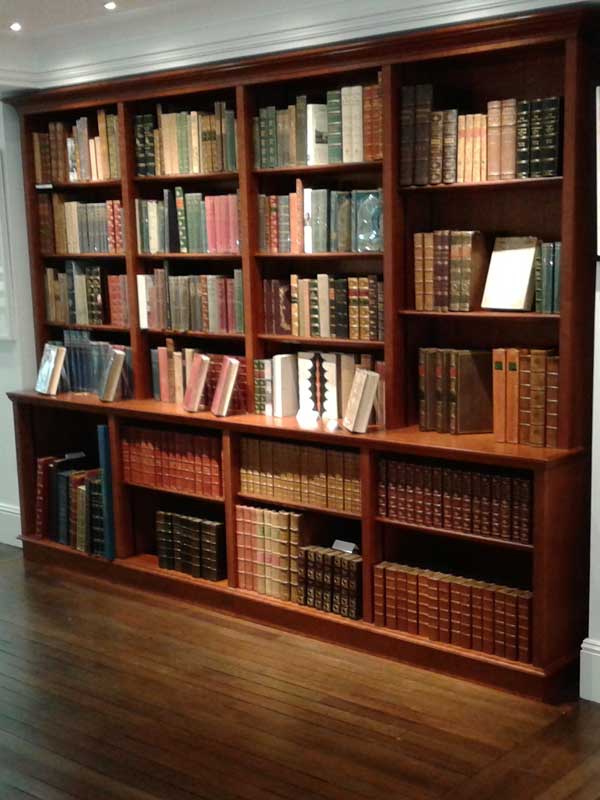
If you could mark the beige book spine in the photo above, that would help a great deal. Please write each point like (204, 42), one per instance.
(419, 272)
(461, 143)
(428, 259)
(470, 125)
(493, 140)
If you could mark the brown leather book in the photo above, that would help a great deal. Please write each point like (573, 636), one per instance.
(552, 383)
(407, 135)
(469, 132)
(499, 623)
(470, 392)
(412, 600)
(456, 609)
(447, 510)
(476, 502)
(488, 632)
(424, 104)
(475, 260)
(436, 147)
(428, 271)
(455, 270)
(409, 485)
(427, 495)
(442, 388)
(450, 137)
(510, 623)
(419, 268)
(476, 171)
(499, 393)
(512, 395)
(392, 490)
(506, 507)
(457, 497)
(436, 491)
(477, 588)
(495, 505)
(444, 608)
(460, 149)
(433, 581)
(524, 397)
(524, 602)
(441, 269)
(423, 605)
(467, 501)
(382, 506)
(427, 388)
(494, 130)
(537, 431)
(418, 494)
(391, 613)
(401, 598)
(522, 500)
(508, 139)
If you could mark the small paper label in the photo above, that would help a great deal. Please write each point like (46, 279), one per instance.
(346, 547)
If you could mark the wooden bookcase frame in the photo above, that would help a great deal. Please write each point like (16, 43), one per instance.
(559, 552)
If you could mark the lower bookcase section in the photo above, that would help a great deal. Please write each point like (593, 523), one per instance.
(142, 572)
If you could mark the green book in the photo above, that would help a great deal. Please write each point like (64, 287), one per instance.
(203, 232)
(182, 142)
(114, 158)
(320, 222)
(192, 214)
(334, 126)
(547, 276)
(256, 141)
(181, 221)
(537, 271)
(556, 289)
(238, 300)
(149, 156)
(271, 136)
(301, 153)
(263, 138)
(313, 307)
(333, 221)
(140, 151)
(367, 219)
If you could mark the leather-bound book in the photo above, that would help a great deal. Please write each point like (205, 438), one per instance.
(401, 598)
(469, 132)
(494, 136)
(510, 623)
(447, 488)
(506, 507)
(379, 594)
(410, 492)
(488, 615)
(42, 498)
(436, 491)
(512, 395)
(427, 494)
(499, 623)
(456, 500)
(407, 135)
(470, 405)
(391, 615)
(382, 506)
(456, 610)
(460, 148)
(423, 604)
(524, 398)
(424, 104)
(443, 593)
(455, 270)
(524, 602)
(441, 269)
(412, 600)
(552, 385)
(551, 136)
(442, 389)
(537, 431)
(467, 501)
(499, 393)
(436, 147)
(495, 505)
(477, 588)
(418, 494)
(536, 128)
(523, 138)
(475, 260)
(419, 271)
(450, 145)
(476, 502)
(508, 139)
(428, 272)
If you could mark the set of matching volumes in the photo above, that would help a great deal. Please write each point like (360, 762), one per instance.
(81, 295)
(81, 156)
(348, 127)
(515, 139)
(74, 503)
(205, 303)
(330, 580)
(483, 502)
(320, 477)
(455, 390)
(447, 608)
(191, 545)
(173, 379)
(267, 544)
(325, 307)
(186, 142)
(525, 391)
(74, 227)
(312, 384)
(321, 221)
(188, 223)
(450, 269)
(102, 368)
(166, 459)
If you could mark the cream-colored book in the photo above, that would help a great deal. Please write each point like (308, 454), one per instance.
(510, 280)
(360, 403)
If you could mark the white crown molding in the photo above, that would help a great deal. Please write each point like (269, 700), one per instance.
(138, 45)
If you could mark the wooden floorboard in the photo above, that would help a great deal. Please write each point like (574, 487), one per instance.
(109, 693)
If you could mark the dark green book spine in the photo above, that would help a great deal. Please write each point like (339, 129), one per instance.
(313, 303)
(523, 136)
(181, 221)
(263, 153)
(373, 307)
(149, 155)
(334, 126)
(271, 136)
(333, 221)
(535, 138)
(547, 276)
(140, 149)
(556, 288)
(341, 308)
(301, 151)
(551, 136)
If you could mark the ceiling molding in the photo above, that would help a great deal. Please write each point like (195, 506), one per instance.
(60, 62)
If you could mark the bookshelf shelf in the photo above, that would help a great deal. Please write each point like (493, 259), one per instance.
(204, 497)
(342, 344)
(515, 183)
(413, 527)
(75, 327)
(555, 51)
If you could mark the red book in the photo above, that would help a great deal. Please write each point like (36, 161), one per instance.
(211, 224)
(221, 223)
(196, 382)
(42, 496)
(225, 386)
(234, 223)
(378, 593)
(215, 466)
(163, 374)
(110, 226)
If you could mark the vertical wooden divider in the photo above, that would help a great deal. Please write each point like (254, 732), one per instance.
(139, 348)
(124, 539)
(26, 465)
(231, 477)
(393, 263)
(370, 535)
(251, 276)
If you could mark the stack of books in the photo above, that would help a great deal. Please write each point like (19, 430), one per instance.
(186, 142)
(267, 546)
(64, 155)
(330, 580)
(347, 128)
(167, 459)
(188, 223)
(487, 503)
(73, 503)
(73, 227)
(321, 221)
(467, 613)
(320, 477)
(515, 139)
(327, 306)
(205, 303)
(84, 295)
(191, 545)
(172, 373)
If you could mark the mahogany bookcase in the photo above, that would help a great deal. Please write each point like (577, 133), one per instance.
(533, 55)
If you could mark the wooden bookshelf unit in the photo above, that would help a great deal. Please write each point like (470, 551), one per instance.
(533, 55)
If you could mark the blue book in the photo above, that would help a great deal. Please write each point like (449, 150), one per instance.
(107, 495)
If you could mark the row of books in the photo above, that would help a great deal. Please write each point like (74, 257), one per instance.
(330, 580)
(348, 127)
(188, 223)
(321, 477)
(167, 459)
(267, 544)
(454, 271)
(515, 139)
(207, 303)
(74, 503)
(177, 379)
(81, 156)
(326, 306)
(486, 503)
(191, 545)
(321, 221)
(186, 142)
(312, 383)
(77, 295)
(74, 227)
(525, 393)
(447, 608)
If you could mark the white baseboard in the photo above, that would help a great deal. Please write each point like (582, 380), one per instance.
(10, 524)
(589, 684)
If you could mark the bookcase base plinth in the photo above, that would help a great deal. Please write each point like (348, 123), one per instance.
(142, 573)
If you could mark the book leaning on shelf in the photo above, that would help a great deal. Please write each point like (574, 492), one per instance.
(186, 142)
(348, 127)
(51, 367)
(321, 221)
(64, 154)
(188, 223)
(74, 504)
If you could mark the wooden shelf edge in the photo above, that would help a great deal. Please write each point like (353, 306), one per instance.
(138, 573)
(361, 344)
(179, 492)
(187, 178)
(48, 187)
(312, 169)
(86, 256)
(452, 534)
(196, 334)
(189, 256)
(512, 183)
(75, 327)
(509, 316)
(317, 256)
(333, 512)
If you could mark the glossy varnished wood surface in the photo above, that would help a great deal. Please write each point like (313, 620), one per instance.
(130, 696)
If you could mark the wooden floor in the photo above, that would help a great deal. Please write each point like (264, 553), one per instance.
(106, 693)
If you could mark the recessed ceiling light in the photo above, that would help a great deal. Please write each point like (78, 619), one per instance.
(110, 6)
(16, 27)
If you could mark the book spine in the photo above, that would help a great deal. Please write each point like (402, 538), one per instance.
(450, 148)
